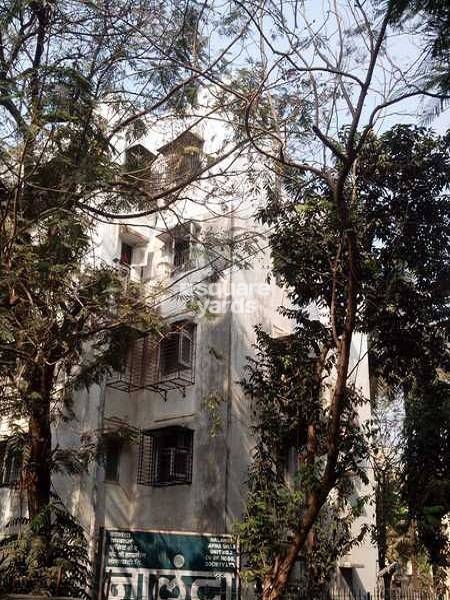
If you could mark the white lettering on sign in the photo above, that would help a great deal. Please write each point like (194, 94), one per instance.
(208, 583)
(170, 585)
(165, 584)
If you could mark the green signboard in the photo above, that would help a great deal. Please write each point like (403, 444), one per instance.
(156, 565)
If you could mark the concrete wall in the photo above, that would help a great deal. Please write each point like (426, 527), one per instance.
(215, 498)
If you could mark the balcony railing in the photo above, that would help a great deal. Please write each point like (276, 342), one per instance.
(158, 365)
(167, 172)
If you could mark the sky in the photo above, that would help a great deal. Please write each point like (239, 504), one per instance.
(400, 64)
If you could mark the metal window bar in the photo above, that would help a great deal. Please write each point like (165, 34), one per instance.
(165, 456)
(182, 247)
(181, 253)
(10, 464)
(160, 367)
(170, 171)
(173, 456)
(15, 466)
(137, 158)
(182, 165)
(145, 475)
(408, 593)
(143, 352)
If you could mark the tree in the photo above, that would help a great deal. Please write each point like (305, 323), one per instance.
(288, 404)
(410, 486)
(427, 454)
(386, 462)
(385, 281)
(311, 96)
(419, 289)
(436, 27)
(73, 75)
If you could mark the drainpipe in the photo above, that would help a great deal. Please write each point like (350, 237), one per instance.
(229, 379)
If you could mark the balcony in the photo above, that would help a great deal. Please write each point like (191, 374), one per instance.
(159, 365)
(173, 166)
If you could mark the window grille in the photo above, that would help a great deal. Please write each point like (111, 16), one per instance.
(160, 365)
(138, 161)
(168, 354)
(185, 350)
(177, 162)
(183, 157)
(182, 252)
(145, 463)
(165, 456)
(10, 464)
(179, 247)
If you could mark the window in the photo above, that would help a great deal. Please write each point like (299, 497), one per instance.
(182, 250)
(112, 452)
(138, 160)
(176, 350)
(126, 254)
(179, 249)
(133, 254)
(10, 464)
(160, 364)
(183, 156)
(165, 456)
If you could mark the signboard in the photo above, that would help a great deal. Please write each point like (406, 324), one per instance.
(155, 565)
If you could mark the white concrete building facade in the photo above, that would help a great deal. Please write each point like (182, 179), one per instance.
(159, 510)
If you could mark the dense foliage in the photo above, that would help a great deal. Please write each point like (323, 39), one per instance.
(33, 561)
(69, 76)
(427, 456)
(287, 400)
(399, 213)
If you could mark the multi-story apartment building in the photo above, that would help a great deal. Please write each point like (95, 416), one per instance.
(159, 510)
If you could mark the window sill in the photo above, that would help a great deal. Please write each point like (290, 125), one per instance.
(170, 483)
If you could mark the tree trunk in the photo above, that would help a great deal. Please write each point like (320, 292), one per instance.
(275, 581)
(38, 469)
(38, 475)
(387, 579)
